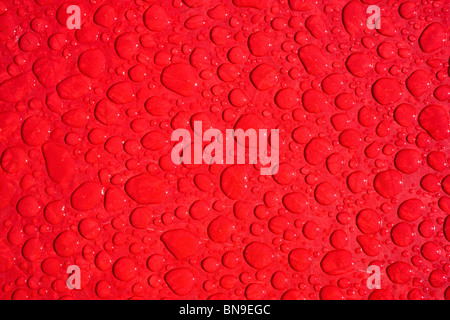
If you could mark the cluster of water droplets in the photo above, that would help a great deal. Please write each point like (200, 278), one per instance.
(87, 179)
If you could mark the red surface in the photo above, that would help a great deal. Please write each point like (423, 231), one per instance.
(86, 176)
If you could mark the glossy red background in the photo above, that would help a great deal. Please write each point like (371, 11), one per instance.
(86, 176)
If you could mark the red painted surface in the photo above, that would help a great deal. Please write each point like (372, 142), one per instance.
(86, 177)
